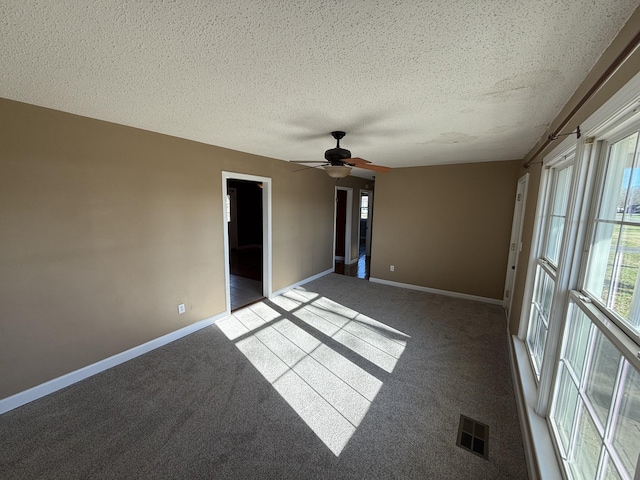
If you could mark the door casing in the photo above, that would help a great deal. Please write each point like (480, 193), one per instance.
(267, 285)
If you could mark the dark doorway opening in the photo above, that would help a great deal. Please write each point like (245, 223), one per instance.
(341, 224)
(244, 220)
(361, 267)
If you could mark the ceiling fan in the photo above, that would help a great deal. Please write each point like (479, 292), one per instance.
(338, 161)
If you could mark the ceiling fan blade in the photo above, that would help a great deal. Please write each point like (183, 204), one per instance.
(303, 168)
(376, 168)
(357, 161)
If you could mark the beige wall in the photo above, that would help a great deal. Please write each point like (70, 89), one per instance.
(445, 227)
(104, 229)
(627, 71)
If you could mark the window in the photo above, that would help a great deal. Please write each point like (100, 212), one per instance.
(547, 264)
(614, 260)
(596, 411)
(364, 207)
(595, 408)
(581, 333)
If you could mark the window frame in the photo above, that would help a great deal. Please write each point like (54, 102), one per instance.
(534, 397)
(615, 134)
(569, 156)
(590, 185)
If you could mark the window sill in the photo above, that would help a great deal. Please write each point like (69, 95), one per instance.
(542, 461)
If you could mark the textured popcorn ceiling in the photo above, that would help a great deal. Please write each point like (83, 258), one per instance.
(412, 82)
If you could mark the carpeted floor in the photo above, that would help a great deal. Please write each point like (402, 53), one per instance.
(343, 379)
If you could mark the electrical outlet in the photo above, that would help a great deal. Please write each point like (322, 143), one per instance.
(392, 268)
(181, 308)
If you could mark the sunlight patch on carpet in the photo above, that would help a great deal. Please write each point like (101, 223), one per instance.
(328, 391)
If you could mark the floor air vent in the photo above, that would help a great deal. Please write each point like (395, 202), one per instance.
(473, 436)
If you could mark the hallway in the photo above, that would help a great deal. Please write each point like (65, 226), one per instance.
(359, 269)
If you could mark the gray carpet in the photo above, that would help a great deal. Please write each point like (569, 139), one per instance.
(199, 407)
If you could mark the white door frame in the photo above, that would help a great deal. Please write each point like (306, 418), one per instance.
(347, 226)
(233, 224)
(515, 243)
(266, 233)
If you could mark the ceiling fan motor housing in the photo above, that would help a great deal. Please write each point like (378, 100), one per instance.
(337, 156)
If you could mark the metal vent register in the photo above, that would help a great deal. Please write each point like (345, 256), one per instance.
(473, 436)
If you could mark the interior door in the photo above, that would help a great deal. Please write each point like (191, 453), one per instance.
(515, 245)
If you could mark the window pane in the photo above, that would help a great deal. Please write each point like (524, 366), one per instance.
(626, 435)
(538, 349)
(613, 270)
(558, 214)
(610, 472)
(536, 340)
(616, 194)
(601, 260)
(577, 339)
(602, 376)
(584, 461)
(556, 229)
(564, 409)
(546, 294)
(561, 196)
(539, 317)
(614, 259)
(560, 201)
(625, 276)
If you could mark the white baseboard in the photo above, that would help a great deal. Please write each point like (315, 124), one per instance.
(466, 296)
(301, 282)
(63, 381)
(542, 462)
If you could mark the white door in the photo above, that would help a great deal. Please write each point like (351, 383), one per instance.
(515, 244)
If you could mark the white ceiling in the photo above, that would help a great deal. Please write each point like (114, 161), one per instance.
(411, 82)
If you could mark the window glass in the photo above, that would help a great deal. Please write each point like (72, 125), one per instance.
(610, 471)
(596, 419)
(364, 207)
(595, 408)
(626, 435)
(586, 452)
(602, 376)
(577, 340)
(565, 410)
(539, 319)
(560, 201)
(614, 260)
(619, 192)
(556, 206)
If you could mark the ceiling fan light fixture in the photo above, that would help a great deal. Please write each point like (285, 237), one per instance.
(337, 171)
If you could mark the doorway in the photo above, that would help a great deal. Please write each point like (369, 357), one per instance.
(366, 214)
(342, 226)
(345, 262)
(247, 218)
